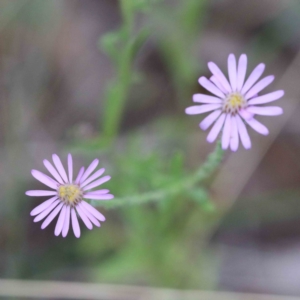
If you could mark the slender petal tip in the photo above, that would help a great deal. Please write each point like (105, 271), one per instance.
(210, 64)
(201, 79)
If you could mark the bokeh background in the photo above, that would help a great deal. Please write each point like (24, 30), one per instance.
(99, 79)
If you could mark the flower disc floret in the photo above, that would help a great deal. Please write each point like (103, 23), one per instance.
(70, 194)
(235, 102)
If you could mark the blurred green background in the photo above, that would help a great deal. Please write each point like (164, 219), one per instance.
(111, 79)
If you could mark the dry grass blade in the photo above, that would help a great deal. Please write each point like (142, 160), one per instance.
(77, 290)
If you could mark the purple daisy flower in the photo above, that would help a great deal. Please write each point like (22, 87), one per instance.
(67, 196)
(235, 102)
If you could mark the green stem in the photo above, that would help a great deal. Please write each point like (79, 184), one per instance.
(118, 90)
(205, 171)
(127, 11)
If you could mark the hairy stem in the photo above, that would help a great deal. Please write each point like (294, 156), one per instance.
(205, 171)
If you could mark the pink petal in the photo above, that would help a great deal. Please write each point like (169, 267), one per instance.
(46, 212)
(93, 211)
(226, 132)
(96, 183)
(266, 98)
(201, 98)
(259, 86)
(67, 222)
(42, 206)
(200, 109)
(256, 73)
(241, 72)
(257, 126)
(243, 133)
(60, 168)
(220, 76)
(210, 87)
(206, 122)
(99, 192)
(52, 216)
(44, 179)
(75, 224)
(218, 84)
(93, 177)
(80, 173)
(98, 197)
(84, 218)
(216, 129)
(245, 114)
(38, 193)
(70, 168)
(90, 216)
(60, 221)
(266, 110)
(234, 141)
(52, 170)
(232, 70)
(89, 170)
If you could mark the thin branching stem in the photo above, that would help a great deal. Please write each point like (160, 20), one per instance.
(204, 172)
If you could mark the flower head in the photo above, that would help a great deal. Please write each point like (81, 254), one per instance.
(68, 196)
(235, 102)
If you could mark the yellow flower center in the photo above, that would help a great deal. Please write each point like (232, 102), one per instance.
(233, 103)
(70, 194)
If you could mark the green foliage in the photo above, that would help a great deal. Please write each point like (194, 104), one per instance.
(123, 45)
(158, 231)
(147, 177)
(178, 46)
(129, 7)
(118, 89)
(128, 43)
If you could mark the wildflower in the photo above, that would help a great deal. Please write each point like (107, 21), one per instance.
(67, 196)
(235, 102)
